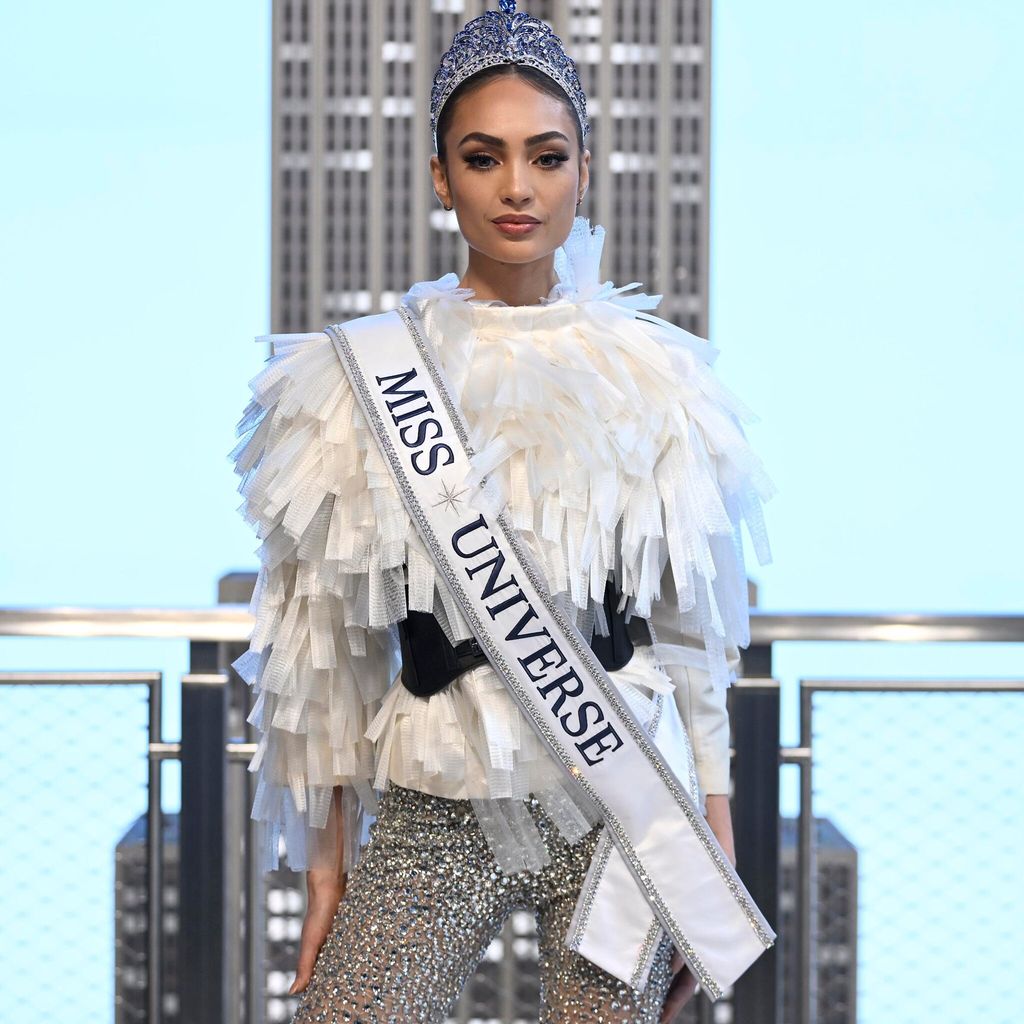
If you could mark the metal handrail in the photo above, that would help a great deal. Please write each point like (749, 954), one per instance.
(154, 805)
(803, 755)
(885, 627)
(224, 623)
(232, 623)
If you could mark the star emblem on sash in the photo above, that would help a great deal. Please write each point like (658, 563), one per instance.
(450, 497)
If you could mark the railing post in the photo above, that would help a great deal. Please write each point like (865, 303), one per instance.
(247, 891)
(155, 861)
(806, 870)
(203, 768)
(754, 716)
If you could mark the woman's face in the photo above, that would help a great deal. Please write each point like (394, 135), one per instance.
(512, 153)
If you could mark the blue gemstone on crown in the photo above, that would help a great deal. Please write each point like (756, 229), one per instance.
(508, 37)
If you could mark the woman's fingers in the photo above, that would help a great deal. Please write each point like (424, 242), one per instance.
(315, 928)
(313, 934)
(680, 991)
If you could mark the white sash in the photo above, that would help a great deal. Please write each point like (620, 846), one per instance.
(661, 837)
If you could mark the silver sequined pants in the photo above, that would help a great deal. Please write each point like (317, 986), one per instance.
(424, 902)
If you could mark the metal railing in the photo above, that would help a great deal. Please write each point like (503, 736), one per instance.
(760, 987)
(153, 681)
(221, 909)
(836, 957)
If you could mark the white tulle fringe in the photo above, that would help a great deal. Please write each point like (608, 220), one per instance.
(613, 447)
(603, 432)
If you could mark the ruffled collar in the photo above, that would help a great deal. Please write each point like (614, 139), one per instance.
(577, 264)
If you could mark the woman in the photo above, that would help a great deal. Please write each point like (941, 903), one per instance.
(614, 449)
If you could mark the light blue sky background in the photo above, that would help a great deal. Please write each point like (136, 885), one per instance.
(866, 257)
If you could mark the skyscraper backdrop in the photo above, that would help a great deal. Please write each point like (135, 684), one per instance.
(354, 217)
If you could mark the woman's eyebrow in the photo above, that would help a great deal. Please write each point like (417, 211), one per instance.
(493, 140)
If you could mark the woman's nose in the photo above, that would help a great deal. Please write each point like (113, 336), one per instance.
(516, 187)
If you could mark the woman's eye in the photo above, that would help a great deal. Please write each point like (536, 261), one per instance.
(545, 159)
(555, 158)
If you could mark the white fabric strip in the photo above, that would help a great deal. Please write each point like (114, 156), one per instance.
(612, 924)
(565, 694)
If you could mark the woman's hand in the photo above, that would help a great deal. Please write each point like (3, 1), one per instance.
(720, 820)
(324, 891)
(680, 989)
(683, 985)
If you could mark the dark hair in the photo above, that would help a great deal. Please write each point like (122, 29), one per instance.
(537, 78)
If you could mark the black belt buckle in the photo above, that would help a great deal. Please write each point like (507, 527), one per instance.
(470, 648)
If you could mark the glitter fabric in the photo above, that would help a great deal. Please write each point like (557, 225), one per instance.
(425, 901)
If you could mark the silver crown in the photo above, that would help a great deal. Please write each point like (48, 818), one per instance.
(505, 38)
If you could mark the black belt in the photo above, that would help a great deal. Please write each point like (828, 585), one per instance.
(430, 661)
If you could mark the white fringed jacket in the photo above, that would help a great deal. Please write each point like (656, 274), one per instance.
(618, 450)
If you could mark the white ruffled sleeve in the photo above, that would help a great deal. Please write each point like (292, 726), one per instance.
(317, 669)
(702, 705)
(711, 481)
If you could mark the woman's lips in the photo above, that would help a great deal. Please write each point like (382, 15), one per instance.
(515, 229)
